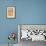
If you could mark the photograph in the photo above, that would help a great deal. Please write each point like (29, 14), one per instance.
(10, 12)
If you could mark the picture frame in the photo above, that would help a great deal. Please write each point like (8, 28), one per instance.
(11, 12)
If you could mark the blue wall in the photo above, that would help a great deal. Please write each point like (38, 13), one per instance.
(27, 12)
(7, 25)
(31, 11)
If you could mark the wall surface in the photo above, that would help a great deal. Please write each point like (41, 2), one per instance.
(7, 25)
(27, 12)
(31, 11)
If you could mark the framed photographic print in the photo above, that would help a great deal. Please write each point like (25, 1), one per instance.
(11, 12)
